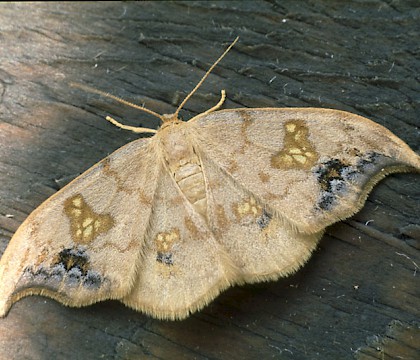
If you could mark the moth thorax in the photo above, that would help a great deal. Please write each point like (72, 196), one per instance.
(185, 167)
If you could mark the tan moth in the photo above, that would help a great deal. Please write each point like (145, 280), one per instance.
(164, 224)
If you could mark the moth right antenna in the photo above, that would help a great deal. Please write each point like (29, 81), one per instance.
(205, 77)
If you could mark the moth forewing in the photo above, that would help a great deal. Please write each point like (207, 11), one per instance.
(312, 166)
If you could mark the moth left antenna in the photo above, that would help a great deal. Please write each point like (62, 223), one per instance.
(122, 101)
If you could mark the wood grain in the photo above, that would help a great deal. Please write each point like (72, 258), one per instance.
(360, 57)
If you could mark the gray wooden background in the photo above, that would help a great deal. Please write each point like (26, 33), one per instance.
(357, 298)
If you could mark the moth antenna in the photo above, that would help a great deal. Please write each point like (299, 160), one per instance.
(204, 78)
(218, 105)
(135, 129)
(116, 98)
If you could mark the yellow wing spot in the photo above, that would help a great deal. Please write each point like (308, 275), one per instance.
(165, 240)
(97, 224)
(85, 224)
(247, 207)
(87, 232)
(77, 202)
(243, 208)
(300, 158)
(76, 212)
(295, 151)
(298, 152)
(290, 127)
(300, 135)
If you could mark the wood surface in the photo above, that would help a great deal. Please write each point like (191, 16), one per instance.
(358, 296)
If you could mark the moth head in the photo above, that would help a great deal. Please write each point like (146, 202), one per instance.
(170, 120)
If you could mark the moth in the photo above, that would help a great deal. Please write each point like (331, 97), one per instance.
(165, 223)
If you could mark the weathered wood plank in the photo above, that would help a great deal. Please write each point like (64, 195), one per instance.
(360, 57)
